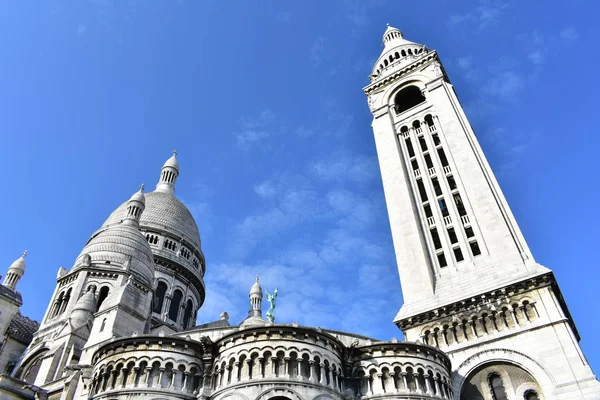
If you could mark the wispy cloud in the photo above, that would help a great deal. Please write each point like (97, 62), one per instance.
(486, 14)
(257, 128)
(81, 29)
(345, 167)
(316, 51)
(265, 189)
(569, 34)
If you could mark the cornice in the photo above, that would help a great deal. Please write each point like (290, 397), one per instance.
(385, 81)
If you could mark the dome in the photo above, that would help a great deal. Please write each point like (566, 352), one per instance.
(122, 246)
(172, 162)
(163, 212)
(396, 50)
(84, 310)
(256, 289)
(19, 264)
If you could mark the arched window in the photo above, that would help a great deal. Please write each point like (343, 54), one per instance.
(103, 325)
(159, 297)
(58, 304)
(175, 302)
(65, 302)
(531, 395)
(188, 314)
(408, 98)
(497, 387)
(102, 296)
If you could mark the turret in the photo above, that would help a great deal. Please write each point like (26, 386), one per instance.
(135, 208)
(168, 175)
(15, 272)
(256, 295)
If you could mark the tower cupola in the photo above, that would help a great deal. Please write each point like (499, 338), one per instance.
(168, 175)
(256, 295)
(135, 208)
(397, 52)
(15, 272)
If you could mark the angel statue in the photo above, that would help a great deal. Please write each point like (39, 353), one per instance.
(271, 299)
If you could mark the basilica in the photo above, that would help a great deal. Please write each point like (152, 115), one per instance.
(481, 318)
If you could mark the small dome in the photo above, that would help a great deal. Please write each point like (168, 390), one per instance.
(18, 266)
(163, 212)
(84, 309)
(256, 288)
(397, 51)
(121, 246)
(172, 162)
(139, 196)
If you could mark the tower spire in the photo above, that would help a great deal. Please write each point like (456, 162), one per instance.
(135, 207)
(256, 295)
(15, 272)
(168, 175)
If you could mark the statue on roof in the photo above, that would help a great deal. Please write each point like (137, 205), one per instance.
(271, 298)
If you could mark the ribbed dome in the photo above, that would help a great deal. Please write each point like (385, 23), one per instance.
(172, 162)
(19, 264)
(396, 50)
(121, 245)
(256, 288)
(163, 211)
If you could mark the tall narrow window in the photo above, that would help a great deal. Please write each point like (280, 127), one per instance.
(422, 143)
(175, 303)
(451, 182)
(436, 139)
(188, 314)
(443, 158)
(428, 212)
(442, 260)
(159, 297)
(458, 254)
(469, 232)
(475, 248)
(436, 186)
(497, 387)
(436, 239)
(459, 204)
(422, 191)
(415, 165)
(452, 236)
(102, 296)
(409, 146)
(443, 207)
(428, 161)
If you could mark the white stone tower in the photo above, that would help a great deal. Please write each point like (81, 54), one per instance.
(470, 283)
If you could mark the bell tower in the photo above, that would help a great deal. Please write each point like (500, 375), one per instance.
(470, 283)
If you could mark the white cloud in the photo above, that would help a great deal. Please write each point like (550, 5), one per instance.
(316, 51)
(256, 129)
(345, 167)
(505, 85)
(569, 34)
(484, 15)
(265, 189)
(536, 57)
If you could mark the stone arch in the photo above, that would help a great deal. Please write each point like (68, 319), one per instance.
(485, 357)
(279, 392)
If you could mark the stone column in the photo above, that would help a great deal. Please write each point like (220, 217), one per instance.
(173, 377)
(133, 375)
(428, 387)
(161, 371)
(259, 368)
(148, 369)
(105, 381)
(186, 375)
(369, 385)
(123, 378)
(166, 307)
(312, 375)
(286, 367)
(299, 368)
(438, 389)
(322, 379)
(405, 381)
(273, 365)
(417, 384)
(246, 369)
(237, 372)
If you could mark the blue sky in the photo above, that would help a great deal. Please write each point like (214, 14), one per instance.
(263, 101)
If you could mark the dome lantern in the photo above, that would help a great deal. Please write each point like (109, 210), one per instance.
(168, 175)
(15, 272)
(135, 208)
